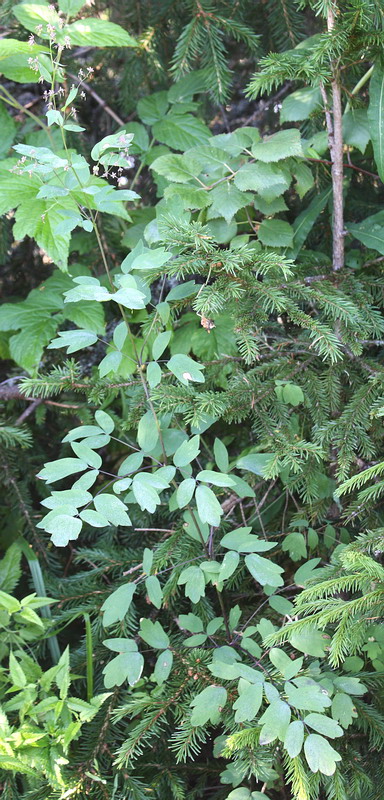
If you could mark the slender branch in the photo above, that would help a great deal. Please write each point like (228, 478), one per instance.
(335, 139)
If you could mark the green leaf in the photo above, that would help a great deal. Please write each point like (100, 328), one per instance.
(243, 541)
(208, 506)
(147, 432)
(153, 634)
(264, 571)
(64, 528)
(190, 622)
(193, 578)
(70, 7)
(275, 721)
(153, 108)
(85, 453)
(293, 394)
(227, 199)
(294, 738)
(343, 709)
(185, 492)
(229, 565)
(160, 344)
(117, 604)
(95, 32)
(370, 231)
(126, 666)
(350, 685)
(112, 508)
(221, 455)
(249, 701)
(154, 374)
(308, 698)
(16, 673)
(376, 116)
(309, 641)
(56, 470)
(163, 667)
(295, 545)
(356, 129)
(207, 705)
(300, 104)
(186, 369)
(187, 452)
(325, 725)
(8, 130)
(215, 478)
(181, 131)
(283, 144)
(31, 14)
(284, 664)
(154, 590)
(276, 233)
(266, 179)
(255, 462)
(73, 340)
(10, 571)
(321, 757)
(105, 421)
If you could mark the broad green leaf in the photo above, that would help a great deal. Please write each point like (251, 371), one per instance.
(266, 179)
(85, 453)
(154, 634)
(308, 698)
(27, 347)
(13, 47)
(73, 340)
(94, 518)
(356, 129)
(275, 721)
(264, 571)
(163, 666)
(31, 14)
(343, 709)
(64, 528)
(8, 602)
(324, 725)
(61, 468)
(370, 231)
(70, 7)
(193, 578)
(179, 169)
(186, 369)
(309, 641)
(160, 344)
(305, 221)
(154, 590)
(280, 604)
(95, 32)
(249, 701)
(117, 604)
(105, 421)
(221, 455)
(8, 129)
(187, 452)
(255, 462)
(283, 144)
(227, 199)
(229, 565)
(295, 545)
(350, 685)
(207, 705)
(376, 116)
(147, 432)
(181, 131)
(321, 757)
(284, 664)
(126, 666)
(154, 374)
(146, 496)
(215, 478)
(112, 508)
(208, 506)
(243, 541)
(293, 394)
(300, 104)
(151, 109)
(276, 233)
(190, 622)
(185, 492)
(294, 738)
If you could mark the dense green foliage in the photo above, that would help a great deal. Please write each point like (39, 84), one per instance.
(191, 445)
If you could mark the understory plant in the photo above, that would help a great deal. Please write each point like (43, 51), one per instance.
(208, 346)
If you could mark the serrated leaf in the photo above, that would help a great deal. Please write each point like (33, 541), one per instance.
(283, 144)
(181, 131)
(276, 233)
(95, 32)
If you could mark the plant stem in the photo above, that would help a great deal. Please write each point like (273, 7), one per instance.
(335, 139)
(359, 86)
